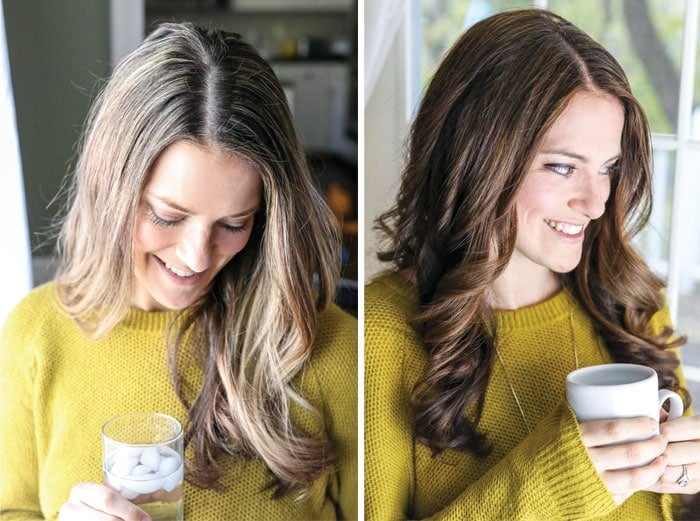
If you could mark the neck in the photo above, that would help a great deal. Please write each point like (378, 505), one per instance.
(515, 289)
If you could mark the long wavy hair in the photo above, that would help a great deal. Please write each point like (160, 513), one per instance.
(254, 330)
(485, 112)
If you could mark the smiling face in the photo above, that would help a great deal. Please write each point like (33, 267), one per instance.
(567, 186)
(196, 213)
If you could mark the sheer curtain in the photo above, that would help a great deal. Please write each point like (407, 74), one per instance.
(15, 259)
(382, 21)
(387, 111)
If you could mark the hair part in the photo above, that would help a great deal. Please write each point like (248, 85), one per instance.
(496, 93)
(253, 333)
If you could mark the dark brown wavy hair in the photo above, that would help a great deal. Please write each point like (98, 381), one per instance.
(494, 96)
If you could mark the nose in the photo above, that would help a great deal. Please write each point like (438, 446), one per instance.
(195, 248)
(591, 195)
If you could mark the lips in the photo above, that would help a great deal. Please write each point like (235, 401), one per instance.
(179, 272)
(565, 228)
(177, 275)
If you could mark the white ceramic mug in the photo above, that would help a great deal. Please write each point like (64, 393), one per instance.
(608, 391)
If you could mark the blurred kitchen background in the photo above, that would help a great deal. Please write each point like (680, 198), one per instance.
(60, 51)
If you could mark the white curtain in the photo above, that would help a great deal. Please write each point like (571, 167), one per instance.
(15, 257)
(383, 18)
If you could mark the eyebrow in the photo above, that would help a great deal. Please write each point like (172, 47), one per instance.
(182, 209)
(574, 155)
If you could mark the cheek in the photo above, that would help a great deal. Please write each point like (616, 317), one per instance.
(148, 238)
(528, 204)
(229, 244)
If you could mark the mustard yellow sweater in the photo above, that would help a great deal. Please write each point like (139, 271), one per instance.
(57, 389)
(538, 476)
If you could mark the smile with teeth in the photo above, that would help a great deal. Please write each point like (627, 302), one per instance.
(568, 229)
(179, 272)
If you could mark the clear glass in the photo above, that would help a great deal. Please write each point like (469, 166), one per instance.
(646, 37)
(143, 461)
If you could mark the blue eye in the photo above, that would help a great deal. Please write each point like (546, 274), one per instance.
(608, 170)
(561, 169)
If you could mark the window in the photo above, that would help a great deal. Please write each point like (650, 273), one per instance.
(656, 43)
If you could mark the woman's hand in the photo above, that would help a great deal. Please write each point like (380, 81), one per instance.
(94, 501)
(683, 449)
(626, 466)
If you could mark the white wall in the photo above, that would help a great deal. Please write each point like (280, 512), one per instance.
(385, 135)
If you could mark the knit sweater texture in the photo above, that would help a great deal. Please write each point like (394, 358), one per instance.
(57, 388)
(545, 474)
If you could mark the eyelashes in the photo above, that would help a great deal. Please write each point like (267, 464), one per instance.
(159, 221)
(168, 224)
(566, 170)
(561, 169)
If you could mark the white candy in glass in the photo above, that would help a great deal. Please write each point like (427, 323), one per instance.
(171, 481)
(168, 465)
(143, 471)
(123, 463)
(151, 458)
(129, 494)
(143, 486)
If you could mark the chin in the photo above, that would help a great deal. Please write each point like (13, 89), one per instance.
(565, 268)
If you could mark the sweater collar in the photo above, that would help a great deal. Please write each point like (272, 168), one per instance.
(149, 321)
(554, 308)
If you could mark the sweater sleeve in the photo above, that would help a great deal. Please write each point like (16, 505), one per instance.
(547, 476)
(19, 494)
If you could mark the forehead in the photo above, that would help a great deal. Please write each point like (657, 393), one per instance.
(204, 178)
(591, 122)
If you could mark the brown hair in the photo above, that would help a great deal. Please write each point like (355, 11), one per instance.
(494, 96)
(254, 331)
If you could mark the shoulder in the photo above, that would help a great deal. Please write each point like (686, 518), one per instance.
(390, 303)
(336, 326)
(389, 299)
(38, 307)
(661, 319)
(393, 349)
(334, 352)
(32, 325)
(330, 374)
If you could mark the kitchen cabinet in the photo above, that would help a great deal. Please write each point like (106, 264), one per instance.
(320, 98)
(292, 5)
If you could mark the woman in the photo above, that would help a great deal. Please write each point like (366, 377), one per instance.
(528, 175)
(198, 266)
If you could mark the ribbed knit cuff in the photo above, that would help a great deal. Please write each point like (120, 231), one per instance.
(567, 471)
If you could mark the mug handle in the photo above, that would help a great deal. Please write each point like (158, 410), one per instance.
(676, 403)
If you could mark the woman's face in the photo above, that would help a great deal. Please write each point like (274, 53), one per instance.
(568, 183)
(196, 213)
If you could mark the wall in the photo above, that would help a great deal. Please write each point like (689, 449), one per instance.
(385, 136)
(57, 51)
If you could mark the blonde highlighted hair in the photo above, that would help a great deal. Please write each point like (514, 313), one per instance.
(253, 332)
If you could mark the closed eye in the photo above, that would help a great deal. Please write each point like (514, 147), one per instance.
(160, 221)
(238, 228)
